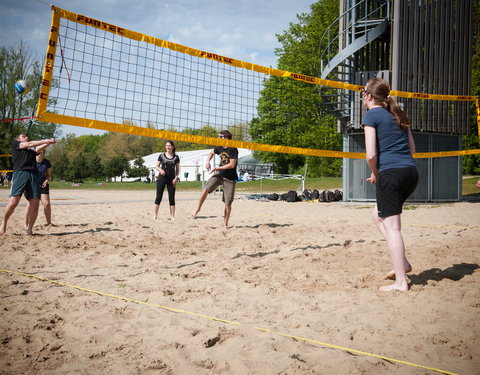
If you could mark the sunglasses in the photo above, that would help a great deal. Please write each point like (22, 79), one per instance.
(363, 91)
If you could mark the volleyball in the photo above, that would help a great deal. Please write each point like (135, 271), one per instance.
(22, 87)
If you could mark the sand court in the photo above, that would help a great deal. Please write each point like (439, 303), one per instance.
(289, 288)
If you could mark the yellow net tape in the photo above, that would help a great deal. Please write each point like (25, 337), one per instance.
(44, 115)
(6, 156)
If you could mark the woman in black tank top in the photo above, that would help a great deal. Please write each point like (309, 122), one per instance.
(168, 167)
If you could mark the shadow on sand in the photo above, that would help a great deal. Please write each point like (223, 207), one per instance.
(455, 273)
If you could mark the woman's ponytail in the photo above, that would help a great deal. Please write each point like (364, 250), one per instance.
(398, 114)
(380, 91)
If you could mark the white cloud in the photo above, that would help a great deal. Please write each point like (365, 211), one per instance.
(253, 56)
(185, 32)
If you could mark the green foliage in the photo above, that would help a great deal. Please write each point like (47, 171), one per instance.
(77, 170)
(95, 168)
(92, 143)
(320, 166)
(290, 112)
(116, 166)
(139, 170)
(205, 131)
(471, 163)
(18, 63)
(57, 156)
(239, 131)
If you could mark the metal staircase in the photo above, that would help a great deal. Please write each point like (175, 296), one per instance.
(363, 22)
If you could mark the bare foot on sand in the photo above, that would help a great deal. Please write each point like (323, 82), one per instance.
(391, 274)
(403, 287)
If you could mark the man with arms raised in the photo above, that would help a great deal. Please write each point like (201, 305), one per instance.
(25, 178)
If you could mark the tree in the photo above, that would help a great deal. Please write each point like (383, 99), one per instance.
(60, 169)
(92, 143)
(18, 63)
(290, 112)
(138, 170)
(95, 167)
(115, 144)
(62, 154)
(471, 163)
(78, 168)
(116, 166)
(146, 145)
(239, 131)
(60, 163)
(205, 131)
(71, 153)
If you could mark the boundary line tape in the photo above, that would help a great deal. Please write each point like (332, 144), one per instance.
(349, 350)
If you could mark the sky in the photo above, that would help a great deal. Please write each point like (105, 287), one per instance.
(242, 29)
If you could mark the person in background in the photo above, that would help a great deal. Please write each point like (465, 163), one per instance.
(25, 178)
(389, 144)
(44, 169)
(168, 167)
(225, 175)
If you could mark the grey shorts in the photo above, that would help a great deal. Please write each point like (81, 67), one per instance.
(23, 181)
(228, 188)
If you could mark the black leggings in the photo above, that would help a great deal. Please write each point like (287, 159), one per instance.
(161, 182)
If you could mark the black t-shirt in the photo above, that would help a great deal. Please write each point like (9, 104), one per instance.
(23, 159)
(225, 155)
(168, 165)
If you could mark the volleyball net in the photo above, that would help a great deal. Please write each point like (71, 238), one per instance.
(102, 76)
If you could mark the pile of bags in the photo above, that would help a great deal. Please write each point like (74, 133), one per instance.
(307, 195)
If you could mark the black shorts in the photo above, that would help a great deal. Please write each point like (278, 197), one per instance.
(45, 190)
(394, 186)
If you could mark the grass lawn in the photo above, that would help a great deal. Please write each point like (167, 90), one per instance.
(469, 189)
(264, 185)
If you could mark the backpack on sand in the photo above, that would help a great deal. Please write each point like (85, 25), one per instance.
(338, 195)
(307, 195)
(327, 196)
(291, 196)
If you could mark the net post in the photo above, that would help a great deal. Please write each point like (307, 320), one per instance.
(49, 64)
